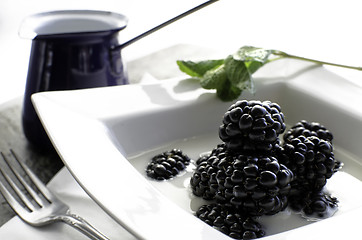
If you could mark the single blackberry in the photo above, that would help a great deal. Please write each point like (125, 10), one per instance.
(308, 129)
(203, 181)
(311, 159)
(316, 204)
(230, 222)
(255, 184)
(252, 125)
(167, 164)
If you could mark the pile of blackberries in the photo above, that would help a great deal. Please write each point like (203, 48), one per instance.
(254, 173)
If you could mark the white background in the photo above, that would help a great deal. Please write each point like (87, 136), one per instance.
(326, 30)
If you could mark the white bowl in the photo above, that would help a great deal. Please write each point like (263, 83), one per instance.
(105, 137)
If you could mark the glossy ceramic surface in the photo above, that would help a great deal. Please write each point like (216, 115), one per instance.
(68, 22)
(70, 50)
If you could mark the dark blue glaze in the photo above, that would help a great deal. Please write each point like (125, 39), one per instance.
(65, 62)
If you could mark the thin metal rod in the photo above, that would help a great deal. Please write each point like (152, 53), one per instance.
(152, 30)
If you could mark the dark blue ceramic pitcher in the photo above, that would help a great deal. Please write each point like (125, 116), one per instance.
(70, 50)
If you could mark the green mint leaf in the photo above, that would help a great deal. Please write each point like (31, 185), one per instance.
(253, 66)
(242, 64)
(253, 54)
(214, 78)
(228, 76)
(227, 92)
(198, 69)
(238, 73)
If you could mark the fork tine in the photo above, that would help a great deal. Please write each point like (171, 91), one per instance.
(17, 190)
(21, 179)
(39, 184)
(19, 209)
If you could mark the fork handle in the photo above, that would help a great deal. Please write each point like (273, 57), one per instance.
(82, 225)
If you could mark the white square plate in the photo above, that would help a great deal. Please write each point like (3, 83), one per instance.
(105, 137)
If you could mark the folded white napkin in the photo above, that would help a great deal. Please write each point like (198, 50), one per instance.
(68, 190)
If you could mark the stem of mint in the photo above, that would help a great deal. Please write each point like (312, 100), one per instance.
(286, 55)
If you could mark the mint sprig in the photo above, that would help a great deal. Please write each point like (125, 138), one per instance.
(232, 75)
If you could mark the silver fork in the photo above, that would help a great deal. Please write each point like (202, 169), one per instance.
(39, 207)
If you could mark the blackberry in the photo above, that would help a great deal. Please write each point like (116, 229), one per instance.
(252, 125)
(167, 164)
(203, 181)
(315, 204)
(308, 129)
(256, 184)
(311, 159)
(308, 152)
(230, 222)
